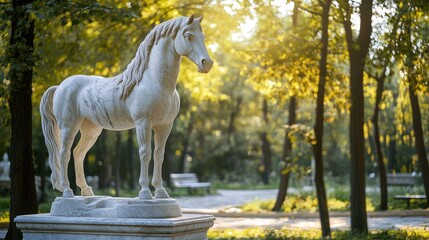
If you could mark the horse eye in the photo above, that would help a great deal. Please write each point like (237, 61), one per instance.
(188, 36)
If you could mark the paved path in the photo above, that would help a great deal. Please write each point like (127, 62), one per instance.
(337, 223)
(223, 206)
(225, 199)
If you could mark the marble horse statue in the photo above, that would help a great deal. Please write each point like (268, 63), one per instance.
(143, 97)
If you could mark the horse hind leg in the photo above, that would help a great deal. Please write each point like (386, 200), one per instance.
(67, 136)
(89, 133)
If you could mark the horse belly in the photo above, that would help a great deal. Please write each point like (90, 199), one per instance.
(112, 119)
(105, 111)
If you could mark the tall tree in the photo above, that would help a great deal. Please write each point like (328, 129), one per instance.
(287, 146)
(376, 137)
(381, 63)
(23, 198)
(412, 91)
(358, 50)
(318, 127)
(266, 144)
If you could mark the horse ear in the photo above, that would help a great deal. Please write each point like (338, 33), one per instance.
(190, 19)
(199, 19)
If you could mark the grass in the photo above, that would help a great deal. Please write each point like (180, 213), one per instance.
(308, 203)
(338, 200)
(295, 234)
(297, 203)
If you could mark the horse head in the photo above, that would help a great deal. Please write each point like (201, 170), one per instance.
(189, 42)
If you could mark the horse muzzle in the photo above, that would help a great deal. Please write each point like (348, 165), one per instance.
(205, 65)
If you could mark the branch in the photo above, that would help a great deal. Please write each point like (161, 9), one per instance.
(346, 16)
(309, 10)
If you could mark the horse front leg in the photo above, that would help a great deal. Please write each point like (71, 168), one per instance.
(161, 135)
(143, 132)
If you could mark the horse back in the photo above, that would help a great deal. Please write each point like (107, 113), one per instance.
(94, 98)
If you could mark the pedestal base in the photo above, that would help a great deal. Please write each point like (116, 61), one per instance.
(115, 207)
(46, 226)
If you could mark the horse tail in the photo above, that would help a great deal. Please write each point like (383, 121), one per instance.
(51, 132)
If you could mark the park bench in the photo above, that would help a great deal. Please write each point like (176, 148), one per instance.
(408, 198)
(401, 179)
(188, 181)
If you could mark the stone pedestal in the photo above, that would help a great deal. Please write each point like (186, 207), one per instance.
(115, 207)
(46, 226)
(111, 218)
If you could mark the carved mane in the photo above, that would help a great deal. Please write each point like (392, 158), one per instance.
(135, 69)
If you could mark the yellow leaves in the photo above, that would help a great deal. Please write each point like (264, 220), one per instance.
(280, 38)
(177, 152)
(102, 69)
(203, 87)
(91, 158)
(92, 30)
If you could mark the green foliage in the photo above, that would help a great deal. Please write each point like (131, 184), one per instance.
(4, 203)
(74, 12)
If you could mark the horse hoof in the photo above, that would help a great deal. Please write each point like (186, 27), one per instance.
(161, 193)
(87, 191)
(68, 193)
(145, 194)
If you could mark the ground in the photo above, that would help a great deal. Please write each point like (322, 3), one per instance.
(223, 206)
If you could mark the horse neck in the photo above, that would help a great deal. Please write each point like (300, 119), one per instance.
(164, 64)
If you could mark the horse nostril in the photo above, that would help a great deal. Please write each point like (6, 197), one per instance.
(203, 62)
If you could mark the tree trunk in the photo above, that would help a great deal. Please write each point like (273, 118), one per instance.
(233, 162)
(23, 199)
(377, 145)
(287, 148)
(415, 109)
(357, 151)
(391, 154)
(358, 51)
(266, 145)
(420, 143)
(318, 128)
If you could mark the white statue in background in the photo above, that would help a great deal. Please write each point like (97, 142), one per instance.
(144, 97)
(5, 168)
